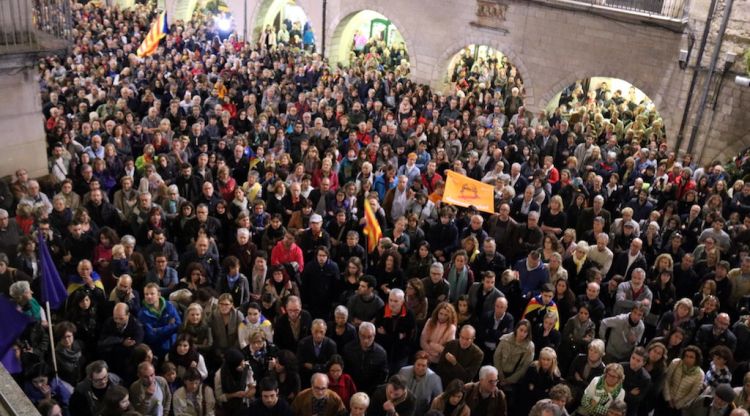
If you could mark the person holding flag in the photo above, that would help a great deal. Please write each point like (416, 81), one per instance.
(159, 29)
(371, 222)
(15, 323)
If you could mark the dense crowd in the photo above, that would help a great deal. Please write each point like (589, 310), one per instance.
(205, 210)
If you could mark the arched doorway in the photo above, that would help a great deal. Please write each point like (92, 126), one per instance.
(485, 67)
(288, 21)
(370, 38)
(597, 105)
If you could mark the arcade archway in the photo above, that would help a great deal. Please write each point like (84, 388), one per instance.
(591, 104)
(482, 65)
(288, 21)
(370, 38)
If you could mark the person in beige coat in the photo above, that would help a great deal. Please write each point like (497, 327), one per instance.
(683, 381)
(514, 353)
(194, 398)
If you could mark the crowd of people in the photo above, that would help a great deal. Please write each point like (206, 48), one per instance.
(205, 209)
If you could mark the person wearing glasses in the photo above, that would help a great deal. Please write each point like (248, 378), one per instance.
(484, 397)
(87, 398)
(318, 399)
(603, 391)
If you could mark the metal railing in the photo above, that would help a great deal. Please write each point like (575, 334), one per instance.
(29, 25)
(669, 9)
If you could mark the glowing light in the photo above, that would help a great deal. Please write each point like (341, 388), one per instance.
(224, 23)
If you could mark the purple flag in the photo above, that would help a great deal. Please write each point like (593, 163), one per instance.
(14, 323)
(53, 290)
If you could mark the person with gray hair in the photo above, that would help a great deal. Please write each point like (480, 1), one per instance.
(625, 332)
(484, 398)
(365, 360)
(396, 199)
(397, 327)
(314, 351)
(585, 221)
(436, 288)
(632, 291)
(358, 404)
(10, 234)
(341, 331)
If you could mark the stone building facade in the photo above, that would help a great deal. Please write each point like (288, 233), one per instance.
(555, 42)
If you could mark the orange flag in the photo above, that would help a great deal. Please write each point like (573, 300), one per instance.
(463, 191)
(372, 228)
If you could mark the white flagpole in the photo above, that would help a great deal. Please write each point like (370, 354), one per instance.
(51, 338)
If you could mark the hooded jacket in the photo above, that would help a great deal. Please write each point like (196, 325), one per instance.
(160, 326)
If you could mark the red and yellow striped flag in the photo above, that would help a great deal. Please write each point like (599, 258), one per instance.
(159, 29)
(372, 228)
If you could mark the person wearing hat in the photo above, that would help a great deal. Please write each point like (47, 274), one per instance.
(313, 237)
(717, 404)
(392, 398)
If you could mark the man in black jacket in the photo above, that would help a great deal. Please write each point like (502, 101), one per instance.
(270, 404)
(283, 335)
(365, 360)
(489, 260)
(188, 184)
(637, 380)
(627, 261)
(393, 398)
(320, 279)
(120, 334)
(396, 326)
(314, 351)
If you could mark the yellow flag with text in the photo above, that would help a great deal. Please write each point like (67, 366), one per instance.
(463, 191)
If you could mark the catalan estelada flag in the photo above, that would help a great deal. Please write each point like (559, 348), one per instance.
(159, 29)
(372, 228)
(536, 310)
(463, 191)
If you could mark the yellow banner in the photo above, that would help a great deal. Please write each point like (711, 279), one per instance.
(464, 191)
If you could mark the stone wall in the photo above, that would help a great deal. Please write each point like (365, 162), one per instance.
(22, 124)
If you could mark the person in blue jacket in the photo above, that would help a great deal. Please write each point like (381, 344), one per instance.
(160, 320)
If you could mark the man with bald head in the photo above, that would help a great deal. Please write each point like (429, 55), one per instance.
(120, 334)
(318, 400)
(492, 325)
(627, 261)
(124, 293)
(461, 358)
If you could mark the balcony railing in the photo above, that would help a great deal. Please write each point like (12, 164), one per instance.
(671, 12)
(34, 25)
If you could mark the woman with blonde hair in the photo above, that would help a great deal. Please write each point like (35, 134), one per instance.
(439, 329)
(680, 316)
(568, 242)
(742, 399)
(553, 220)
(556, 270)
(603, 391)
(471, 245)
(540, 376)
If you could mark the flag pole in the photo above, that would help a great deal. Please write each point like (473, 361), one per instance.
(51, 338)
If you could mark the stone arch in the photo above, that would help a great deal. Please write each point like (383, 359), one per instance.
(648, 87)
(345, 15)
(440, 70)
(571, 77)
(259, 13)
